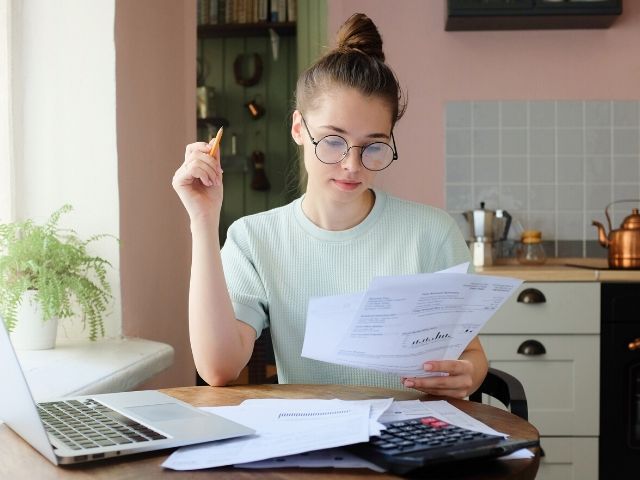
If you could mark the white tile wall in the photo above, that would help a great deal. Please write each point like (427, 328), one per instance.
(556, 164)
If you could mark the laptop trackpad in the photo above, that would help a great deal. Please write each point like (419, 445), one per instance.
(164, 411)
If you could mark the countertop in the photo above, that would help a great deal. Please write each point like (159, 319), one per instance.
(562, 270)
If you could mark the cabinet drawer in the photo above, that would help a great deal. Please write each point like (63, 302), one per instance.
(569, 458)
(569, 307)
(562, 385)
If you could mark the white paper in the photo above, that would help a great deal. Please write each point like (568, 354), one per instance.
(402, 321)
(331, 457)
(284, 427)
(396, 412)
(377, 407)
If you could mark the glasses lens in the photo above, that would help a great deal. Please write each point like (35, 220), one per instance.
(331, 149)
(377, 156)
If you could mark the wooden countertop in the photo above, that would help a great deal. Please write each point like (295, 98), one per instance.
(562, 270)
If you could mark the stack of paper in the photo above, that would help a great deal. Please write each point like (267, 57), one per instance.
(284, 427)
(305, 433)
(401, 322)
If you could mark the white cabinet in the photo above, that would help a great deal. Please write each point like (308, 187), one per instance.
(553, 348)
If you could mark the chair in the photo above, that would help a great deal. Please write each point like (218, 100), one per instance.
(497, 384)
(505, 388)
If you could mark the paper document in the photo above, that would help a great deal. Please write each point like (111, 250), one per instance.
(402, 321)
(396, 412)
(283, 427)
(329, 458)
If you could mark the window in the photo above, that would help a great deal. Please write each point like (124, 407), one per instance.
(6, 127)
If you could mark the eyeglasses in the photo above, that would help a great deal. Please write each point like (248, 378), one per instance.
(373, 156)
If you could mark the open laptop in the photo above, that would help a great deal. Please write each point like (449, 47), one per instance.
(87, 428)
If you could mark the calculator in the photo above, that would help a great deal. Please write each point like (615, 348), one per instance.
(417, 443)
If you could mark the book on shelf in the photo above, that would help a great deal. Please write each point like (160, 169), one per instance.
(218, 12)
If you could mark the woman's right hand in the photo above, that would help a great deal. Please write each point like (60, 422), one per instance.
(198, 181)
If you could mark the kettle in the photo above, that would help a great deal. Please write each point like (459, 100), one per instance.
(484, 228)
(483, 225)
(624, 242)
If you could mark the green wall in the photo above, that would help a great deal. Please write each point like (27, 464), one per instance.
(269, 134)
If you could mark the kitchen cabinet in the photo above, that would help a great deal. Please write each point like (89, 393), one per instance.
(530, 14)
(552, 346)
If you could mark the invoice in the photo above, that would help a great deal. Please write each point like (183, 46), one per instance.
(402, 321)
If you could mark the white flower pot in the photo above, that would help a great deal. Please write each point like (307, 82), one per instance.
(31, 331)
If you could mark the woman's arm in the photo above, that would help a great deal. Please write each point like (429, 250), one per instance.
(464, 377)
(221, 344)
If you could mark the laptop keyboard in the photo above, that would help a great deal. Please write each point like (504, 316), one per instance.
(89, 424)
(426, 434)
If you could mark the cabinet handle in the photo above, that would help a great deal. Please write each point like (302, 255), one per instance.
(531, 295)
(531, 348)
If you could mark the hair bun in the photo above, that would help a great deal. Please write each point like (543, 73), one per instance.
(359, 33)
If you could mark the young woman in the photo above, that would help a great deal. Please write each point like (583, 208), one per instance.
(333, 240)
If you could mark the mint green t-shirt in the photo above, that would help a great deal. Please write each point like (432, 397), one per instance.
(275, 261)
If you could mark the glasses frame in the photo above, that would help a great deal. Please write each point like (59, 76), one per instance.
(362, 148)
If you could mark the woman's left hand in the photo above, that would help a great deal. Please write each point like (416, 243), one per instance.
(458, 383)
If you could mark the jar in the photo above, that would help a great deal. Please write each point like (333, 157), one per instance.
(531, 251)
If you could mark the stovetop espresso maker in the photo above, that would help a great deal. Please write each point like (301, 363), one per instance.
(485, 228)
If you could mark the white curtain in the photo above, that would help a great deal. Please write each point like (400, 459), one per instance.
(6, 116)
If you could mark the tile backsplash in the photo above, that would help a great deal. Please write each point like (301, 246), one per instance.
(554, 165)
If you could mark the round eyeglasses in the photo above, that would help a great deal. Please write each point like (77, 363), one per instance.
(374, 156)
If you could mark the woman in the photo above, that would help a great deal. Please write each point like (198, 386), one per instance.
(333, 240)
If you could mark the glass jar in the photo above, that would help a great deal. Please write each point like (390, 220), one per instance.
(531, 251)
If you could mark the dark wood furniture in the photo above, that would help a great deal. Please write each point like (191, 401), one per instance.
(19, 460)
(530, 14)
(246, 29)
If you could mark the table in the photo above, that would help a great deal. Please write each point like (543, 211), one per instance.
(105, 366)
(19, 460)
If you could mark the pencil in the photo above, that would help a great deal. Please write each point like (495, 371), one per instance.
(216, 142)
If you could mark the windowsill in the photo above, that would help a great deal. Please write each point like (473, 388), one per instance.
(80, 367)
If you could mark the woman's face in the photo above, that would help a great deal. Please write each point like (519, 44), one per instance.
(359, 120)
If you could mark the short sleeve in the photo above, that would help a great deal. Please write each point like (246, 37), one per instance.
(245, 285)
(454, 249)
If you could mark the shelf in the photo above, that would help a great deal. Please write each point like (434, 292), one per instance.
(104, 366)
(530, 14)
(245, 29)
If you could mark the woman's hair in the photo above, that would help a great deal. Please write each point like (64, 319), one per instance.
(356, 62)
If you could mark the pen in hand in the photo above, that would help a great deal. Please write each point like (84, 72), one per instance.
(216, 142)
(212, 151)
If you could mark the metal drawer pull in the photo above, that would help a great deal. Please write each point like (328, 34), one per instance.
(635, 345)
(531, 295)
(531, 348)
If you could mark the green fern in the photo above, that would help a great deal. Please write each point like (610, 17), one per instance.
(56, 264)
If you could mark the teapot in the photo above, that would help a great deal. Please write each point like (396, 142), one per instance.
(624, 242)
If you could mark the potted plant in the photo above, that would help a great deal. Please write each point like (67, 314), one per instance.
(47, 269)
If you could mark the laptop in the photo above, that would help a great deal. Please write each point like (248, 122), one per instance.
(87, 428)
(428, 444)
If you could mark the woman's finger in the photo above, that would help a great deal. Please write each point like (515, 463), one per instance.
(452, 367)
(212, 162)
(439, 383)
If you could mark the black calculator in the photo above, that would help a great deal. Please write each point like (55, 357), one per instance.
(417, 443)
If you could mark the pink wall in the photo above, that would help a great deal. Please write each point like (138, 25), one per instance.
(435, 66)
(155, 109)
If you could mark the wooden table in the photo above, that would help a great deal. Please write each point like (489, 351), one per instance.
(19, 460)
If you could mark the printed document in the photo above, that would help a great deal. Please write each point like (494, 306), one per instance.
(402, 321)
(283, 427)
